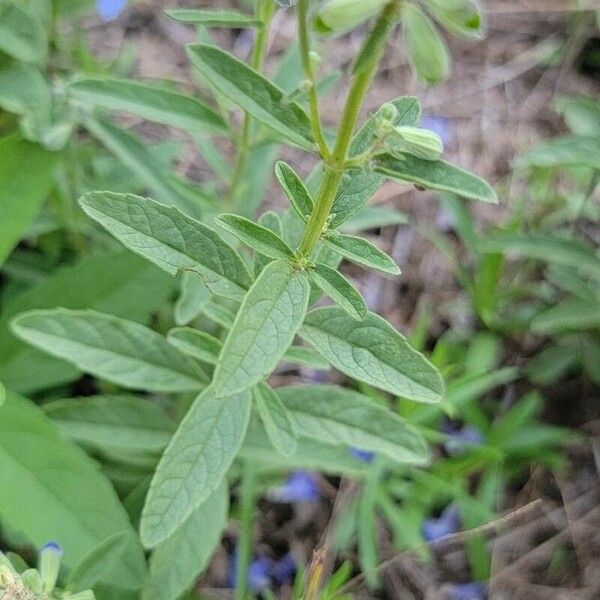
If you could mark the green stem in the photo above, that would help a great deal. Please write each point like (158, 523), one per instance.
(309, 74)
(263, 11)
(334, 167)
(244, 545)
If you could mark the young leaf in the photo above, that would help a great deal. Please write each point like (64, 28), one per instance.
(193, 294)
(22, 35)
(114, 349)
(266, 323)
(570, 315)
(425, 48)
(256, 236)
(374, 352)
(278, 422)
(22, 191)
(464, 18)
(121, 423)
(271, 221)
(361, 251)
(252, 92)
(170, 239)
(178, 561)
(337, 415)
(213, 18)
(295, 190)
(358, 186)
(151, 103)
(47, 501)
(130, 288)
(198, 344)
(195, 462)
(436, 175)
(340, 290)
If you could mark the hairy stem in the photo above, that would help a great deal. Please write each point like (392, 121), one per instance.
(244, 545)
(264, 10)
(309, 74)
(334, 167)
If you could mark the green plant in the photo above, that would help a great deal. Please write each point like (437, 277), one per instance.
(255, 280)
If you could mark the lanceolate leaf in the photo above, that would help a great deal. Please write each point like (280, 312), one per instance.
(435, 175)
(57, 492)
(295, 190)
(374, 217)
(177, 562)
(198, 344)
(252, 92)
(571, 315)
(152, 103)
(271, 221)
(362, 252)
(256, 236)
(170, 239)
(114, 349)
(21, 33)
(193, 294)
(213, 18)
(195, 462)
(125, 423)
(276, 419)
(337, 415)
(358, 186)
(269, 317)
(307, 357)
(374, 352)
(340, 290)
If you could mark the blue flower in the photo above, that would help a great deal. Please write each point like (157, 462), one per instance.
(259, 574)
(461, 440)
(439, 125)
(284, 569)
(300, 486)
(364, 455)
(474, 590)
(110, 9)
(447, 523)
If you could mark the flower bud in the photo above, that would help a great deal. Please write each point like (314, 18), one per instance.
(50, 558)
(315, 58)
(420, 142)
(337, 16)
(388, 112)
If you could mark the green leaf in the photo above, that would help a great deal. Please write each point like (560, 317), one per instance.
(340, 290)
(47, 501)
(256, 236)
(22, 190)
(570, 315)
(130, 288)
(150, 171)
(581, 114)
(336, 415)
(569, 252)
(425, 48)
(23, 89)
(170, 239)
(358, 186)
(192, 296)
(374, 217)
(111, 348)
(252, 92)
(195, 462)
(464, 18)
(307, 357)
(218, 314)
(266, 323)
(295, 190)
(198, 344)
(566, 151)
(362, 252)
(374, 352)
(21, 33)
(213, 18)
(151, 103)
(310, 454)
(271, 221)
(177, 562)
(97, 562)
(277, 421)
(118, 423)
(435, 175)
